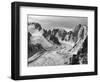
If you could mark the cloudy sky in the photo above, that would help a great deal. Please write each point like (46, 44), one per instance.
(57, 21)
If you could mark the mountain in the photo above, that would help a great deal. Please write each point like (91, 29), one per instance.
(59, 35)
(70, 47)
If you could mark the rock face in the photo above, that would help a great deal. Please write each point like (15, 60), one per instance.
(58, 47)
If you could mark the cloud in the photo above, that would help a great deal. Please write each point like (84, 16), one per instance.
(57, 21)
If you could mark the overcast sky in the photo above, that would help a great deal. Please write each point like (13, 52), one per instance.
(57, 21)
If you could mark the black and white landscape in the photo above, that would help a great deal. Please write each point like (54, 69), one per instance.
(57, 40)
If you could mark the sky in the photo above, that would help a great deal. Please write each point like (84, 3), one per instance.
(50, 22)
